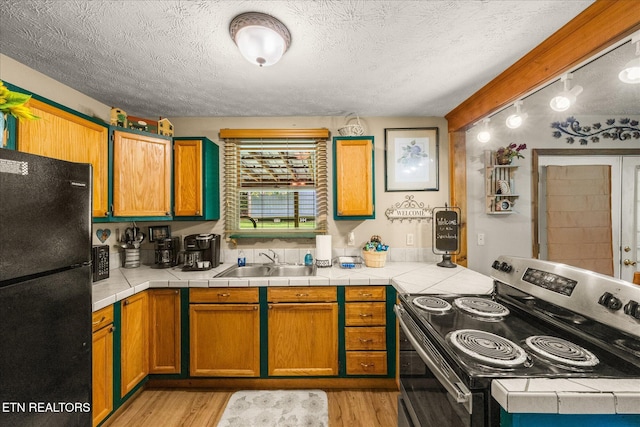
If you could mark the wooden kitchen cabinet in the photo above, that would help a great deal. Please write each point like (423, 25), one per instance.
(102, 364)
(224, 332)
(353, 176)
(164, 331)
(303, 335)
(141, 175)
(134, 345)
(366, 330)
(196, 179)
(60, 134)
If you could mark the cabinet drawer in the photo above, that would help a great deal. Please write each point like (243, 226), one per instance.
(365, 293)
(303, 294)
(365, 314)
(223, 295)
(366, 363)
(101, 318)
(374, 338)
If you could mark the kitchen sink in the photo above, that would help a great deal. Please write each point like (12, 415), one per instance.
(267, 270)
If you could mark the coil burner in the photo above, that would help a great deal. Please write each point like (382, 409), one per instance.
(432, 304)
(482, 307)
(489, 348)
(561, 350)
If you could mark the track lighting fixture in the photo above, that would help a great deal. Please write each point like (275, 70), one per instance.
(515, 120)
(631, 72)
(566, 98)
(484, 135)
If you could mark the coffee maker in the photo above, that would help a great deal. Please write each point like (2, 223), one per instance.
(166, 253)
(201, 252)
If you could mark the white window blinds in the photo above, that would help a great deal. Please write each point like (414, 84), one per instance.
(275, 187)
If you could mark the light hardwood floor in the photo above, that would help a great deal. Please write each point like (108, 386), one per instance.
(196, 408)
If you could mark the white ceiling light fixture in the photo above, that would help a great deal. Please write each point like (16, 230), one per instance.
(566, 98)
(631, 72)
(515, 120)
(261, 38)
(484, 135)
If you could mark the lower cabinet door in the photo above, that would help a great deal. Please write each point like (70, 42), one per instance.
(164, 331)
(224, 340)
(102, 382)
(303, 339)
(134, 341)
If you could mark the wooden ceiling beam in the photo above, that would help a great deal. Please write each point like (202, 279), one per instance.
(597, 27)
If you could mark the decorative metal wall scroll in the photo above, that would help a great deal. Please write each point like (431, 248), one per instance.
(624, 130)
(410, 210)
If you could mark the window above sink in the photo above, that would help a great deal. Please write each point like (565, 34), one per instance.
(275, 182)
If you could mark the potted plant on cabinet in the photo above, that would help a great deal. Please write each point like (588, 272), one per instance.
(12, 103)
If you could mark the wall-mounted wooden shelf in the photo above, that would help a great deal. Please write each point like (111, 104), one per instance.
(499, 186)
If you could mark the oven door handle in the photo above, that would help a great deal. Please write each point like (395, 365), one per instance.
(456, 389)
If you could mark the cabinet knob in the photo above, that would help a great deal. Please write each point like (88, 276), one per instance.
(99, 321)
(111, 329)
(366, 295)
(125, 302)
(302, 295)
(366, 315)
(167, 213)
(362, 340)
(224, 295)
(367, 365)
(197, 212)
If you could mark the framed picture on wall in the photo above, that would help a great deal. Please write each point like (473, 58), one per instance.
(411, 159)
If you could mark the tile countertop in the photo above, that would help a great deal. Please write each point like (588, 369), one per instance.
(540, 395)
(413, 277)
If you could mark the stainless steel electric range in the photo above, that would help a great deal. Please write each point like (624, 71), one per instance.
(543, 320)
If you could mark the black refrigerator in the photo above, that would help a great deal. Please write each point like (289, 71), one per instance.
(45, 291)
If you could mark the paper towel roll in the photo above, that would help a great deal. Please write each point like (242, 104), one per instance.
(323, 248)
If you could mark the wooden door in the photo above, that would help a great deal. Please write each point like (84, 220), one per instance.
(164, 331)
(141, 175)
(354, 177)
(62, 135)
(134, 343)
(187, 185)
(225, 340)
(303, 339)
(102, 378)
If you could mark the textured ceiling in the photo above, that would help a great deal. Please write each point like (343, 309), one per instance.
(372, 58)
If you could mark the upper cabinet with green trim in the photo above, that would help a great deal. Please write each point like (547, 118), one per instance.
(141, 175)
(353, 177)
(63, 135)
(196, 187)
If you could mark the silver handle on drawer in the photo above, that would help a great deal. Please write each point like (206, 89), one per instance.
(456, 389)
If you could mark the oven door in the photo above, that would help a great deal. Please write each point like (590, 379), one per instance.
(431, 394)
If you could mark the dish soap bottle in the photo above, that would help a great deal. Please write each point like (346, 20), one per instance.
(242, 260)
(308, 258)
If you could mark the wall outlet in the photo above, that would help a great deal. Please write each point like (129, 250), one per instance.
(351, 239)
(480, 239)
(410, 239)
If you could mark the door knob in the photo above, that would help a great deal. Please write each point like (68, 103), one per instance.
(629, 262)
(627, 249)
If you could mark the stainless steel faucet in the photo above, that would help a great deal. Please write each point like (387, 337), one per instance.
(275, 256)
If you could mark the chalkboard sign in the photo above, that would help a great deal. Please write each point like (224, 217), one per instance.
(446, 233)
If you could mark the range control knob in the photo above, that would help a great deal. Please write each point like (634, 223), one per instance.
(496, 265)
(505, 267)
(608, 300)
(632, 308)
